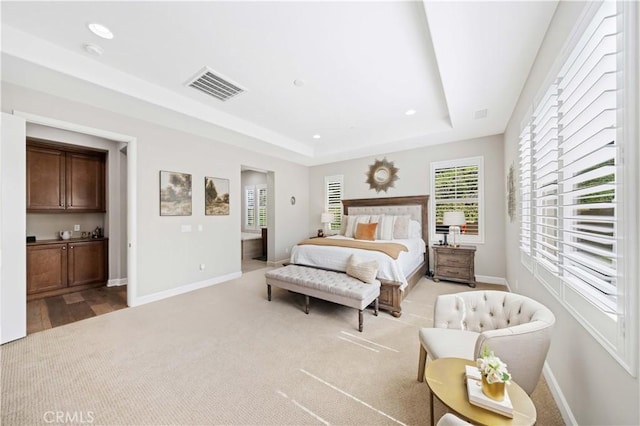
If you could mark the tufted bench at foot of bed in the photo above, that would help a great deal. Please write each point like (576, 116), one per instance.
(336, 287)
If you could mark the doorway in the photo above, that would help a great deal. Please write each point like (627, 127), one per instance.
(254, 231)
(73, 302)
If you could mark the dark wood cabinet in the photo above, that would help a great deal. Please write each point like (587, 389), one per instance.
(87, 262)
(45, 179)
(85, 182)
(46, 267)
(56, 267)
(64, 180)
(455, 264)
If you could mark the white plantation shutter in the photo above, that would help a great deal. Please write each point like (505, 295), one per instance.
(583, 189)
(524, 161)
(544, 146)
(590, 152)
(333, 199)
(250, 202)
(262, 205)
(456, 185)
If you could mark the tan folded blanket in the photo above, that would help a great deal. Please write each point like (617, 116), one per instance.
(390, 249)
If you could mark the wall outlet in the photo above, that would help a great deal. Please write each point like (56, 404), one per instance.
(202, 266)
(185, 228)
(76, 227)
(286, 250)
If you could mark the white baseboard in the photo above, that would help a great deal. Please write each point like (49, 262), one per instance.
(558, 396)
(114, 282)
(184, 289)
(491, 280)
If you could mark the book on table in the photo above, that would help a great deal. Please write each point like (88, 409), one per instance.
(478, 398)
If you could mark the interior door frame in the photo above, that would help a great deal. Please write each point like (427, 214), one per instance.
(131, 141)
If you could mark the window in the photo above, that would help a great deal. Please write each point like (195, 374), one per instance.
(250, 203)
(262, 205)
(255, 207)
(572, 183)
(333, 187)
(458, 185)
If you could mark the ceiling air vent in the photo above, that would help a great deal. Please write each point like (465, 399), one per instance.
(213, 84)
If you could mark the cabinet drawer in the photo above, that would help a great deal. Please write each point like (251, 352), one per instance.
(454, 259)
(453, 272)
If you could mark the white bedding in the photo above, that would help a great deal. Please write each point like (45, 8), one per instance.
(388, 268)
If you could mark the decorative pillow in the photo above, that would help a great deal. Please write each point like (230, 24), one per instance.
(364, 270)
(415, 230)
(343, 224)
(376, 218)
(401, 227)
(385, 228)
(352, 222)
(366, 231)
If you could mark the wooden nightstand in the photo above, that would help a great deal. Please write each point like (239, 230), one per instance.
(455, 264)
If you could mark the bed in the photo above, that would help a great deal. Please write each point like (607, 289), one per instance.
(398, 276)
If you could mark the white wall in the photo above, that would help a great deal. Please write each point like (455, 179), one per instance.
(413, 179)
(597, 390)
(167, 257)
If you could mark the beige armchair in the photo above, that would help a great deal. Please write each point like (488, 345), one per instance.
(516, 328)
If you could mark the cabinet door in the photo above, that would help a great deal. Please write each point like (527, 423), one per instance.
(46, 267)
(85, 182)
(45, 179)
(87, 262)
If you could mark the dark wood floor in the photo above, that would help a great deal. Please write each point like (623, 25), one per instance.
(55, 311)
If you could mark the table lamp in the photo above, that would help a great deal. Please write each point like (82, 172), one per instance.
(454, 219)
(326, 219)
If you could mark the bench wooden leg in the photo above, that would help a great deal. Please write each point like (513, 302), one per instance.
(360, 319)
(306, 304)
(269, 292)
(376, 306)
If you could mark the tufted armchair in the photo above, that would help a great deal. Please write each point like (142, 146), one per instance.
(516, 328)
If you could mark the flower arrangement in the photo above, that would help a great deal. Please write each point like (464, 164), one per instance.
(492, 368)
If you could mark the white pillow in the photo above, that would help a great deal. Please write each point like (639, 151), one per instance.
(364, 270)
(352, 224)
(376, 218)
(415, 230)
(385, 228)
(401, 227)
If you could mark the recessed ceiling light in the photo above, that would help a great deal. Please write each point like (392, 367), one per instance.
(94, 49)
(100, 30)
(316, 136)
(410, 112)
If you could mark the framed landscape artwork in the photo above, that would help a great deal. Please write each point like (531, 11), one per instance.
(216, 196)
(175, 194)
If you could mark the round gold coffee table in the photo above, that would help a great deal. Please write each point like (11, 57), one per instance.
(445, 378)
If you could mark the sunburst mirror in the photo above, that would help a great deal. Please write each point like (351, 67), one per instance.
(382, 175)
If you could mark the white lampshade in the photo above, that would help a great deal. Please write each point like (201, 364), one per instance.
(454, 218)
(326, 217)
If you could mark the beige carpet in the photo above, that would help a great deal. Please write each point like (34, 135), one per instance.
(225, 355)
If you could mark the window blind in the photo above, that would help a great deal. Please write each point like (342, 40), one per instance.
(589, 155)
(456, 188)
(545, 179)
(262, 207)
(524, 160)
(250, 200)
(333, 199)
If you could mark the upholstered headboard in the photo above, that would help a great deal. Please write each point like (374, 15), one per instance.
(416, 206)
